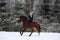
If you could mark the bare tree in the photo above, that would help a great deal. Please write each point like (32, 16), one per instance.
(36, 9)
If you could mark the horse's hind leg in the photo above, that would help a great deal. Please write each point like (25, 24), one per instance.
(20, 31)
(31, 33)
(39, 29)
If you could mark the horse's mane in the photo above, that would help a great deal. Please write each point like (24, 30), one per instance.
(24, 17)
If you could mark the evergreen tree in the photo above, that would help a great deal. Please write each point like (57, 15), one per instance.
(2, 5)
(45, 7)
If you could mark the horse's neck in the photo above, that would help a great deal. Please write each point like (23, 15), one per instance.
(25, 21)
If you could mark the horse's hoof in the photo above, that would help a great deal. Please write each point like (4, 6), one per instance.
(29, 35)
(21, 34)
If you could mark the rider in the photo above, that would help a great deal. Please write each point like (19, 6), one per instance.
(31, 16)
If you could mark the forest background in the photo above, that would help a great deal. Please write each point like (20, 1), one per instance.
(46, 13)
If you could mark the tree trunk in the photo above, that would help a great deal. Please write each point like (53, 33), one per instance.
(36, 9)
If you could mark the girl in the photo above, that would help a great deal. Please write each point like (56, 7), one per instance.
(31, 16)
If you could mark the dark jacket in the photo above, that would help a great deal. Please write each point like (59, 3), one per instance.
(30, 18)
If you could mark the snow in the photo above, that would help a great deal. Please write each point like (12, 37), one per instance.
(34, 36)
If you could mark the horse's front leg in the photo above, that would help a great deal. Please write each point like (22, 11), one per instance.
(23, 29)
(31, 33)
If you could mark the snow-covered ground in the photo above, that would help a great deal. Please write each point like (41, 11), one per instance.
(35, 36)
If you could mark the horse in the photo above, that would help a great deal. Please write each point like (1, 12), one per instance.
(26, 24)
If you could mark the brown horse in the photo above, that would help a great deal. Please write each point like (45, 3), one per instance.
(33, 26)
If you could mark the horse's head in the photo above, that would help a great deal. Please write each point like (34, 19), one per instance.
(22, 19)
